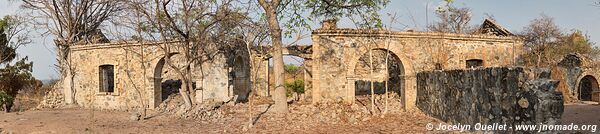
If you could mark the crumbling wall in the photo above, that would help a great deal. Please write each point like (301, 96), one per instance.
(337, 52)
(510, 96)
(570, 71)
(140, 72)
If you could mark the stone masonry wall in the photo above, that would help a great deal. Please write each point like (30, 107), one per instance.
(511, 96)
(138, 73)
(336, 54)
(570, 71)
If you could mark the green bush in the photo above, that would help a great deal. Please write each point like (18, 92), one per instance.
(5, 99)
(291, 68)
(297, 86)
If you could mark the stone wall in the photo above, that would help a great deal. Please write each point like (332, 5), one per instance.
(510, 96)
(570, 71)
(336, 54)
(140, 72)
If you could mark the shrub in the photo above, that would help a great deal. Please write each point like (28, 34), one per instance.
(5, 100)
(297, 86)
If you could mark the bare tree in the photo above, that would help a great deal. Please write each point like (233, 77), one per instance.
(71, 22)
(254, 35)
(452, 19)
(537, 36)
(193, 29)
(14, 34)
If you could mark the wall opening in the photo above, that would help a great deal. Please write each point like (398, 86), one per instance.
(294, 81)
(165, 82)
(169, 87)
(107, 78)
(474, 63)
(394, 75)
(241, 79)
(588, 86)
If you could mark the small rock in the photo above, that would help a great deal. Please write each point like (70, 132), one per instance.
(352, 120)
(135, 117)
(365, 119)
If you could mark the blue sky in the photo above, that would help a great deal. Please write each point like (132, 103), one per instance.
(512, 14)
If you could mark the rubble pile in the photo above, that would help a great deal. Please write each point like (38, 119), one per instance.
(174, 106)
(53, 99)
(334, 113)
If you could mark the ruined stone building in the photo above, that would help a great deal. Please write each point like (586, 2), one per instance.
(337, 66)
(577, 74)
(117, 75)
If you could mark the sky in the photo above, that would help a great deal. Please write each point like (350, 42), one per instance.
(411, 14)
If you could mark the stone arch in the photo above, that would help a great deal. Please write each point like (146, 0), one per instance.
(393, 76)
(587, 88)
(157, 80)
(407, 94)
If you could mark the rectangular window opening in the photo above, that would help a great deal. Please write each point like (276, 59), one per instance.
(107, 78)
(474, 63)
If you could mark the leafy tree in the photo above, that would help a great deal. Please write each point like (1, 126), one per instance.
(291, 68)
(575, 42)
(362, 12)
(13, 77)
(294, 87)
(547, 44)
(7, 50)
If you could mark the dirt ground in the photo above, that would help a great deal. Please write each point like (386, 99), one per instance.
(87, 121)
(581, 114)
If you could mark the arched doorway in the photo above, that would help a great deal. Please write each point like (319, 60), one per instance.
(241, 79)
(393, 75)
(165, 82)
(587, 86)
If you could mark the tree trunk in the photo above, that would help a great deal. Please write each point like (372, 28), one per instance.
(192, 91)
(372, 79)
(184, 90)
(68, 81)
(279, 95)
(185, 94)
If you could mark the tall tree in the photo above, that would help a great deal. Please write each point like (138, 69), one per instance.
(537, 36)
(362, 12)
(70, 22)
(13, 76)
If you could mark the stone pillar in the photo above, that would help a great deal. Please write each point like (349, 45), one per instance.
(409, 94)
(259, 76)
(316, 89)
(308, 63)
(156, 91)
(350, 90)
